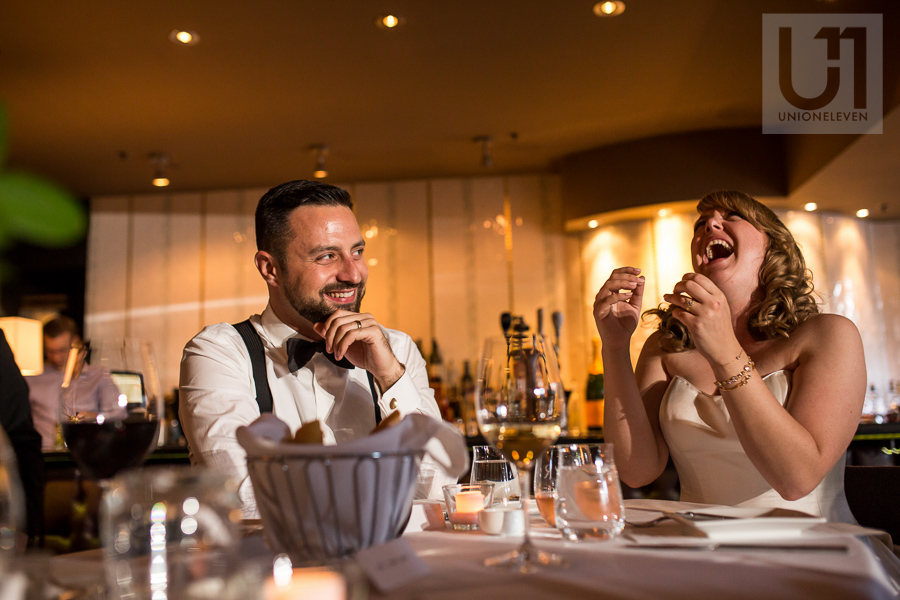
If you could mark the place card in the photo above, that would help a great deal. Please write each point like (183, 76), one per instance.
(392, 565)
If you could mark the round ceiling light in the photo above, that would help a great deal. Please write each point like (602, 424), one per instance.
(610, 8)
(183, 37)
(389, 21)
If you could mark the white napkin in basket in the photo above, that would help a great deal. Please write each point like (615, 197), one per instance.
(443, 442)
(354, 506)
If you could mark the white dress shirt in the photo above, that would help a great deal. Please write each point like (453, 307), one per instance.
(218, 395)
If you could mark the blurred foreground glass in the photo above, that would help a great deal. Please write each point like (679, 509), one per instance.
(589, 502)
(489, 466)
(545, 485)
(110, 405)
(12, 500)
(171, 533)
(519, 400)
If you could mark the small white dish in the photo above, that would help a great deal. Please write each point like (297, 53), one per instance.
(763, 528)
(502, 521)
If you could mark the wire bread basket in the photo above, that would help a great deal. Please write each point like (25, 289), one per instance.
(329, 506)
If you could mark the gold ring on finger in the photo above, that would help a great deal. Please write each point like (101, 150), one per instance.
(359, 324)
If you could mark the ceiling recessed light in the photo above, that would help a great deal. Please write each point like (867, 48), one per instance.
(183, 37)
(663, 212)
(593, 223)
(389, 21)
(862, 213)
(610, 8)
(810, 206)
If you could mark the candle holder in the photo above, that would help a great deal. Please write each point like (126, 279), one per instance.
(465, 501)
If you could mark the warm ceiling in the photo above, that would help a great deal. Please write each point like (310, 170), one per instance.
(93, 87)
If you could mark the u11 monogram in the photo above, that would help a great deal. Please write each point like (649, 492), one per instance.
(832, 37)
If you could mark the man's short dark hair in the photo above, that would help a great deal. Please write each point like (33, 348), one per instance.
(273, 232)
(60, 325)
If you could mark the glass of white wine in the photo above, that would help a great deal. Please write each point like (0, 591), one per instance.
(519, 400)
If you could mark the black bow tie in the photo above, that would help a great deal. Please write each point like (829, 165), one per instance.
(301, 352)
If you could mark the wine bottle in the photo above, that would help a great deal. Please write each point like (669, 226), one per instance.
(467, 393)
(594, 392)
(436, 382)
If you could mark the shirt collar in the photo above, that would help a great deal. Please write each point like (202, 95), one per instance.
(276, 330)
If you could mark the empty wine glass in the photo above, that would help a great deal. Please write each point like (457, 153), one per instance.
(519, 400)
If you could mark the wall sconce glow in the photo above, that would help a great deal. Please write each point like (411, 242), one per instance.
(862, 213)
(663, 213)
(389, 21)
(593, 223)
(183, 37)
(810, 206)
(612, 8)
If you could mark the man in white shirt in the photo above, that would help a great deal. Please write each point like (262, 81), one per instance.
(310, 254)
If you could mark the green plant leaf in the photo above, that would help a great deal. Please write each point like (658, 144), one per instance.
(37, 211)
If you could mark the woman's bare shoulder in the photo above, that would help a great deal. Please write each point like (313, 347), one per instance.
(828, 332)
(828, 324)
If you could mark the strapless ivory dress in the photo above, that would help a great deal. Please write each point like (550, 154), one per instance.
(712, 465)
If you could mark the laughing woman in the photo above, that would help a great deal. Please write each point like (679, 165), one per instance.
(753, 392)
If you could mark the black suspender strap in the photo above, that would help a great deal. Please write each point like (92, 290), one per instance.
(258, 362)
(261, 379)
(374, 398)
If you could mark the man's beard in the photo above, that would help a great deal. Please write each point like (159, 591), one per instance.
(317, 310)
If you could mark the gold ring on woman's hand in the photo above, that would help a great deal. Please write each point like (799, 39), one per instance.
(687, 300)
(359, 324)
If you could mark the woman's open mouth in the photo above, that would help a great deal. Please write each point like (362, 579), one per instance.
(717, 250)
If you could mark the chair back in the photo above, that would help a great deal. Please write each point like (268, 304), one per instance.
(873, 494)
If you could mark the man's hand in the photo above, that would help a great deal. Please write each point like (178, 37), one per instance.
(358, 338)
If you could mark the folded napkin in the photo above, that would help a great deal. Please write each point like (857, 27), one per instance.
(327, 501)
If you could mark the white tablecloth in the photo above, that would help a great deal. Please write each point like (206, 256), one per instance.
(618, 569)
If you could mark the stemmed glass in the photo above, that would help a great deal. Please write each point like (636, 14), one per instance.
(110, 406)
(519, 400)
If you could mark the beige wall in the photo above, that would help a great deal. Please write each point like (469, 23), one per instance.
(162, 266)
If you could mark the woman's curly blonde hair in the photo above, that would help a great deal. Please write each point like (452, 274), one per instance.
(787, 288)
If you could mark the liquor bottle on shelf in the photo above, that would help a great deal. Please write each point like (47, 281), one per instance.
(454, 395)
(436, 382)
(578, 425)
(467, 400)
(893, 404)
(594, 392)
(873, 407)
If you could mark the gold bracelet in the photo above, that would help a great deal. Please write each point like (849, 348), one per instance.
(739, 380)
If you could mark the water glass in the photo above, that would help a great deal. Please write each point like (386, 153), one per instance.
(171, 533)
(545, 495)
(489, 466)
(589, 502)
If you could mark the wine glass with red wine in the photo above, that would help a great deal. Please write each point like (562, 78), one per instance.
(110, 406)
